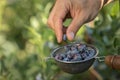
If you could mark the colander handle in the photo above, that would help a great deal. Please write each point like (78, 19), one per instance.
(113, 61)
(48, 58)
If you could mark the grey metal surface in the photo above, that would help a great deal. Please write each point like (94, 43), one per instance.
(76, 66)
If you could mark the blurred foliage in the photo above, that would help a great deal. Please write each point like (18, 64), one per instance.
(26, 41)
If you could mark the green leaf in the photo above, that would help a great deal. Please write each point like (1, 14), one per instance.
(116, 42)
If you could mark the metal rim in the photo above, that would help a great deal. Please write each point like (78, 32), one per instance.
(94, 57)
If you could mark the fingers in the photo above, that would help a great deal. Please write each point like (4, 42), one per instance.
(55, 20)
(79, 12)
(50, 19)
(76, 23)
(58, 30)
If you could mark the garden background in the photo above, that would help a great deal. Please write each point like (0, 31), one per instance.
(26, 41)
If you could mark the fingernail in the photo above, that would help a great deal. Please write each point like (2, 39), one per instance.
(58, 39)
(71, 37)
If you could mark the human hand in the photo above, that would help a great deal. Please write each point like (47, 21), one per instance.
(81, 11)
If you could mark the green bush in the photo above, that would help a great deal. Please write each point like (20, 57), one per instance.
(26, 41)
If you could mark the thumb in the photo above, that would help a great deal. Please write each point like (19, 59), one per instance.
(74, 27)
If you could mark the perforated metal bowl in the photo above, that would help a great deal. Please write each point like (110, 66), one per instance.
(74, 67)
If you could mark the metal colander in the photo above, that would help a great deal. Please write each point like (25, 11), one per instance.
(74, 67)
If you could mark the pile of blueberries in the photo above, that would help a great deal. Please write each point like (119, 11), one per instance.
(76, 52)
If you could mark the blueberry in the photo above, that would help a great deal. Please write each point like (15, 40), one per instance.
(69, 56)
(87, 52)
(65, 59)
(76, 52)
(73, 48)
(64, 37)
(62, 55)
(92, 51)
(81, 48)
(68, 52)
(58, 56)
(76, 57)
(91, 54)
(83, 55)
